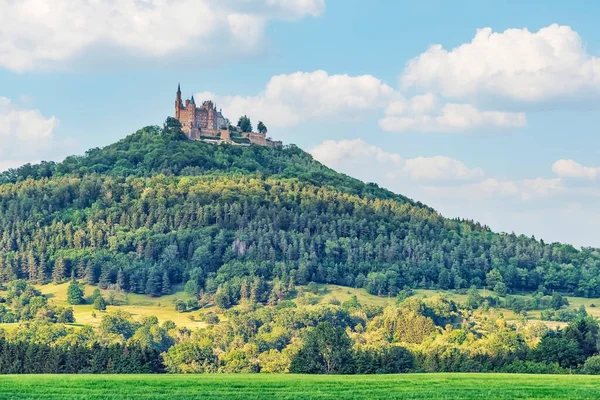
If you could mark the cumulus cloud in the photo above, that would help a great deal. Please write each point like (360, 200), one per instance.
(516, 64)
(288, 99)
(38, 34)
(526, 189)
(439, 168)
(452, 117)
(572, 169)
(358, 155)
(25, 135)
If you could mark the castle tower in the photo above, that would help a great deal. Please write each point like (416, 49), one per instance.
(178, 103)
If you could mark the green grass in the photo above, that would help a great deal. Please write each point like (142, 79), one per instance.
(248, 387)
(137, 304)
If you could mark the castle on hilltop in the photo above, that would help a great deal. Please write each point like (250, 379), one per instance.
(208, 124)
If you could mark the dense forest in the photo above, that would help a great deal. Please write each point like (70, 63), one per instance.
(155, 210)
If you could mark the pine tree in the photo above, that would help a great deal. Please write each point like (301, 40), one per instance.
(244, 290)
(120, 280)
(104, 280)
(74, 293)
(41, 270)
(153, 283)
(166, 284)
(32, 268)
(90, 275)
(81, 269)
(59, 270)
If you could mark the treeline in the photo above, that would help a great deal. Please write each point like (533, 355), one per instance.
(416, 335)
(33, 358)
(154, 210)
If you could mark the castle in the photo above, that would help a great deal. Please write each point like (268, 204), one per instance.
(207, 124)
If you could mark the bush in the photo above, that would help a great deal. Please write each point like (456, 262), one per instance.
(313, 288)
(100, 304)
(531, 367)
(592, 365)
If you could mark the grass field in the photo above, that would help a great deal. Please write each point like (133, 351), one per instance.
(248, 387)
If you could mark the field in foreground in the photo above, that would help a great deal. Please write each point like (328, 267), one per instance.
(247, 387)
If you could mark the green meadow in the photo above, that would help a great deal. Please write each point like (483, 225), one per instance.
(248, 387)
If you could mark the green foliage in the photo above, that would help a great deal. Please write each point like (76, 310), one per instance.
(558, 301)
(592, 365)
(74, 293)
(244, 124)
(474, 299)
(261, 127)
(326, 350)
(118, 323)
(99, 304)
(555, 349)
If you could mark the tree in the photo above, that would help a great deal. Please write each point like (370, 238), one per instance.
(59, 270)
(245, 124)
(492, 278)
(154, 283)
(65, 316)
(120, 280)
(473, 298)
(326, 350)
(585, 332)
(173, 127)
(558, 301)
(500, 289)
(180, 306)
(99, 304)
(74, 293)
(552, 349)
(120, 323)
(592, 366)
(261, 127)
(166, 284)
(191, 288)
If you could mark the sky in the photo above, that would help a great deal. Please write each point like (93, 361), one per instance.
(485, 110)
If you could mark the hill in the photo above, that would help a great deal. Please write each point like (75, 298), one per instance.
(156, 210)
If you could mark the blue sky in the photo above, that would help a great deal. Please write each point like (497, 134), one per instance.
(482, 109)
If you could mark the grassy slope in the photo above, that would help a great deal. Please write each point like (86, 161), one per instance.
(163, 308)
(247, 387)
(137, 304)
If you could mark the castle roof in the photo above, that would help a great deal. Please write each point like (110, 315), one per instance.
(192, 100)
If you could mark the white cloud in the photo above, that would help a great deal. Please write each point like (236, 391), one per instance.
(26, 135)
(439, 168)
(451, 118)
(37, 34)
(572, 169)
(288, 99)
(516, 64)
(335, 153)
(362, 157)
(526, 189)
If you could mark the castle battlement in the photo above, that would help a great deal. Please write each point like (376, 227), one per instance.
(208, 124)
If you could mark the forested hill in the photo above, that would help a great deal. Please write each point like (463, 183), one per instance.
(155, 209)
(153, 150)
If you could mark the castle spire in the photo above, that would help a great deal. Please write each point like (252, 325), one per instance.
(178, 88)
(192, 100)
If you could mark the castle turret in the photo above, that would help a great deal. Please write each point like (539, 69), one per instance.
(178, 103)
